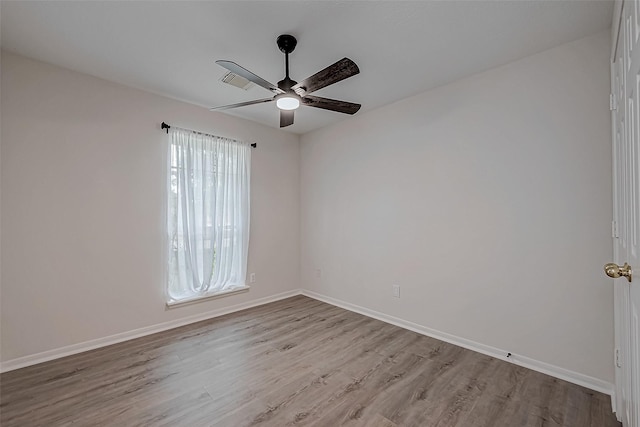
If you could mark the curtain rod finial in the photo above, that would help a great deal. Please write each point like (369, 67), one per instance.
(165, 126)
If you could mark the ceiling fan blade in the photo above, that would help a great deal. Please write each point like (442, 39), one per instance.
(243, 72)
(286, 118)
(241, 104)
(331, 104)
(341, 70)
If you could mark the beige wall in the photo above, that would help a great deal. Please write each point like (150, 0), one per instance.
(487, 200)
(83, 184)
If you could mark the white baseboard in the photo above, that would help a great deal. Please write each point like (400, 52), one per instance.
(545, 368)
(614, 404)
(57, 353)
(527, 362)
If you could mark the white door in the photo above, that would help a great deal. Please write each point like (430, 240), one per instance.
(625, 73)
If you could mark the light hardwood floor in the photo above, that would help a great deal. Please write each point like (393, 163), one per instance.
(293, 362)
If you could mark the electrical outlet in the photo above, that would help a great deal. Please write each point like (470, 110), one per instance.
(318, 273)
(252, 278)
(396, 290)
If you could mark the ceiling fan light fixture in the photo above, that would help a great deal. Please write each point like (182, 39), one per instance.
(288, 102)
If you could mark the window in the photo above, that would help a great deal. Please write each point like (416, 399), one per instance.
(207, 216)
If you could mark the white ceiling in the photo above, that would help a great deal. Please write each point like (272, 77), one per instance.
(401, 47)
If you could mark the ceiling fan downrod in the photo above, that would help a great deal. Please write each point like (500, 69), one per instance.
(286, 43)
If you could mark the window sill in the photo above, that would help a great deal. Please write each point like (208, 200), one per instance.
(215, 295)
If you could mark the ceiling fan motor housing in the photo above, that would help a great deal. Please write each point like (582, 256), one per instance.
(286, 84)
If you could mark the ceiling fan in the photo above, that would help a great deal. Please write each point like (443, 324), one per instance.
(289, 94)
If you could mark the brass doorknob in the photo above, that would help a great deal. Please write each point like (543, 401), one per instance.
(615, 271)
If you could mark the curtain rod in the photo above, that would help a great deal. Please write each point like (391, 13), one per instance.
(167, 127)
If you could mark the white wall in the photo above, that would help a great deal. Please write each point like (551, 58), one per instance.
(83, 167)
(487, 200)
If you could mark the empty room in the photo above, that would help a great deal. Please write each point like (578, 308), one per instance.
(320, 213)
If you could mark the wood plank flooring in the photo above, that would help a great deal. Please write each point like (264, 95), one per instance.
(295, 362)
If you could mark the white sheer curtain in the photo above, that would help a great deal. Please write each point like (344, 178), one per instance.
(208, 214)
